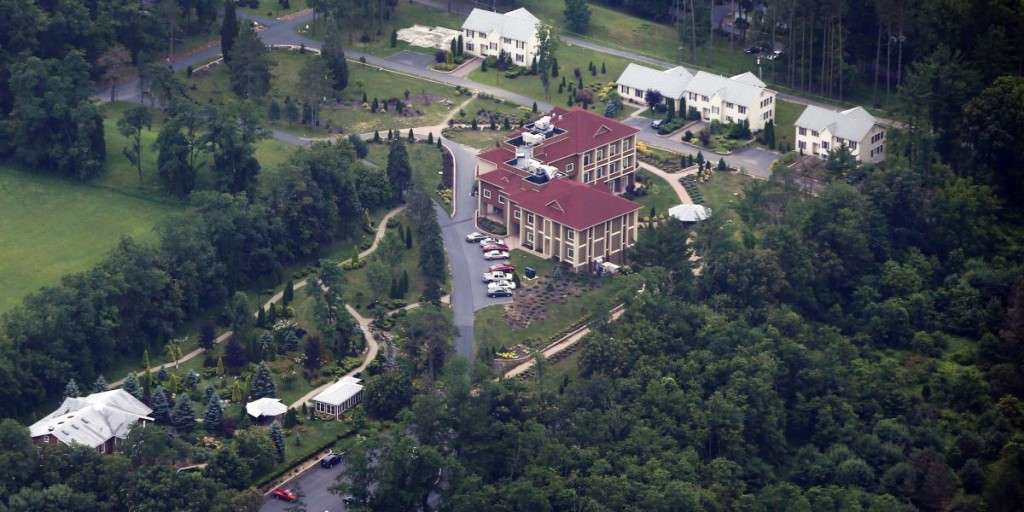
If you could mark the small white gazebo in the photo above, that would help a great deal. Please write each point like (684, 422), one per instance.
(690, 212)
(266, 408)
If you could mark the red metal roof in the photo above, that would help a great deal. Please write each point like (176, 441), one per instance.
(572, 203)
(503, 178)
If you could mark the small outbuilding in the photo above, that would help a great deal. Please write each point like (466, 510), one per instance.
(265, 410)
(339, 397)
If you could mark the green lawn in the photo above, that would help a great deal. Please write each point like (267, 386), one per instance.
(660, 195)
(722, 192)
(786, 114)
(424, 158)
(569, 58)
(556, 374)
(52, 227)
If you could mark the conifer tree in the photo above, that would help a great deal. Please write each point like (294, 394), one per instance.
(430, 138)
(210, 391)
(184, 416)
(71, 389)
(191, 380)
(162, 375)
(131, 385)
(277, 436)
(207, 335)
(100, 385)
(263, 382)
(291, 341)
(213, 418)
(408, 238)
(261, 318)
(161, 408)
(411, 137)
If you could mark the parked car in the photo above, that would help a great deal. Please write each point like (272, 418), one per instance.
(754, 49)
(776, 55)
(476, 236)
(495, 247)
(496, 276)
(502, 283)
(502, 267)
(496, 255)
(657, 123)
(499, 292)
(349, 499)
(330, 461)
(489, 241)
(285, 494)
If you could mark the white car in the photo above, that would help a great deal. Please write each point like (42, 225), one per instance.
(496, 276)
(489, 241)
(496, 255)
(476, 236)
(502, 283)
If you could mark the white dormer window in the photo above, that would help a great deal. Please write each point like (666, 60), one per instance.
(46, 438)
(613, 149)
(487, 194)
(501, 199)
(600, 154)
(529, 218)
(568, 167)
(570, 234)
(586, 159)
(518, 214)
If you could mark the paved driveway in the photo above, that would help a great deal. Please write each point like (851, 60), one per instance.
(412, 59)
(314, 484)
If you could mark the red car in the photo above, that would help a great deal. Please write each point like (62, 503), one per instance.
(502, 267)
(495, 247)
(285, 494)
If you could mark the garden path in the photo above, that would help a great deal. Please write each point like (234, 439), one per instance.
(381, 229)
(672, 179)
(567, 341)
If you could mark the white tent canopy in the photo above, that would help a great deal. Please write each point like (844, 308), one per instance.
(266, 407)
(690, 212)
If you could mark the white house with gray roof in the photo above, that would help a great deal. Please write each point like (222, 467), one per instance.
(636, 80)
(727, 100)
(820, 130)
(487, 33)
(100, 421)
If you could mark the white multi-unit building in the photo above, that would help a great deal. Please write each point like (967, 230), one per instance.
(820, 130)
(487, 33)
(724, 99)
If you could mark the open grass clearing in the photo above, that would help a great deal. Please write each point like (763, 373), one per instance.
(562, 372)
(425, 160)
(723, 192)
(52, 227)
(569, 59)
(786, 114)
(344, 113)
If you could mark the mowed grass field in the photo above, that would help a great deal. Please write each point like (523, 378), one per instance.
(50, 227)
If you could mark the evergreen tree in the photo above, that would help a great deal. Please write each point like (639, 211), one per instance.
(430, 138)
(554, 69)
(272, 314)
(274, 111)
(535, 103)
(184, 416)
(394, 38)
(213, 418)
(408, 238)
(438, 142)
(291, 341)
(277, 436)
(334, 56)
(290, 418)
(131, 385)
(261, 318)
(71, 389)
(533, 66)
(394, 294)
(404, 287)
(210, 391)
(263, 383)
(483, 66)
(191, 380)
(220, 366)
(376, 137)
(453, 47)
(289, 293)
(291, 111)
(100, 385)
(769, 134)
(249, 65)
(602, 68)
(399, 171)
(461, 47)
(228, 30)
(577, 16)
(161, 408)
(411, 137)
(474, 125)
(721, 164)
(162, 375)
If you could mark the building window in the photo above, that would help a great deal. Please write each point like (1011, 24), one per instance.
(568, 167)
(518, 214)
(824, 145)
(570, 234)
(506, 40)
(521, 44)
(46, 438)
(487, 194)
(586, 159)
(714, 110)
(704, 98)
(501, 199)
(494, 46)
(600, 172)
(469, 47)
(742, 109)
(802, 144)
(529, 237)
(600, 154)
(469, 33)
(570, 254)
(626, 144)
(519, 57)
(803, 131)
(529, 218)
(639, 93)
(853, 146)
(729, 105)
(614, 168)
(613, 149)
(728, 119)
(627, 163)
(814, 133)
(586, 177)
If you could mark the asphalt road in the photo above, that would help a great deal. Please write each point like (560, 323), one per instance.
(314, 484)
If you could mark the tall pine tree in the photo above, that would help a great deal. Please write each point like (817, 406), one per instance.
(131, 385)
(71, 389)
(228, 30)
(161, 408)
(263, 383)
(398, 169)
(184, 416)
(213, 419)
(277, 436)
(334, 56)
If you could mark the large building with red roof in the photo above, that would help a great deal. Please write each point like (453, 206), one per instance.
(555, 182)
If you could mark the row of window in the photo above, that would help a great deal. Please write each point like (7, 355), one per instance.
(767, 101)
(766, 115)
(613, 149)
(877, 151)
(877, 137)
